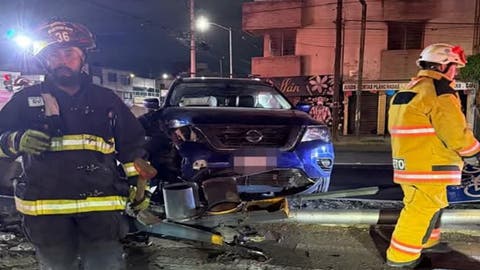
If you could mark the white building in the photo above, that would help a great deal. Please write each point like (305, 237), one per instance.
(128, 86)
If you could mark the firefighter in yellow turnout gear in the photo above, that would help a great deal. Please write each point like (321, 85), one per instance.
(430, 141)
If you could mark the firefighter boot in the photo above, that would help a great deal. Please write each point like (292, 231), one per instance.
(420, 263)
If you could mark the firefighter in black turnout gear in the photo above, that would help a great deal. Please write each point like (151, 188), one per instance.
(71, 134)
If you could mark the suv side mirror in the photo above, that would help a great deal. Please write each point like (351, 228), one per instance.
(304, 107)
(151, 103)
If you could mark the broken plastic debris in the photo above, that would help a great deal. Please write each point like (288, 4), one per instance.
(7, 236)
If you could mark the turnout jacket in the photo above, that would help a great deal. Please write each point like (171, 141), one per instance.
(93, 133)
(429, 133)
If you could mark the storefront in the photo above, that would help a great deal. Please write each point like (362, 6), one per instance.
(316, 90)
(375, 100)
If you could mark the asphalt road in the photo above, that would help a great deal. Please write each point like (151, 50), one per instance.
(292, 246)
(354, 176)
(354, 169)
(288, 246)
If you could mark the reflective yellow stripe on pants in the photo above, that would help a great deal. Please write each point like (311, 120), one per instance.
(56, 207)
(421, 204)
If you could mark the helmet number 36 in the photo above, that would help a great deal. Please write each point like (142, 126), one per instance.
(62, 36)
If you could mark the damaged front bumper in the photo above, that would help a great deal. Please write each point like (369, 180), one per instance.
(305, 169)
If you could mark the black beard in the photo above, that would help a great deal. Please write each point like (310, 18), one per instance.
(64, 76)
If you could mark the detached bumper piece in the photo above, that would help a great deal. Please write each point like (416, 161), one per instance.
(288, 178)
(202, 228)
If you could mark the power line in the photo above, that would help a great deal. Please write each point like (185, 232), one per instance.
(426, 22)
(172, 32)
(354, 20)
(299, 7)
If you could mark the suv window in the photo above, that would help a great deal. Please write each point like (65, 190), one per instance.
(218, 94)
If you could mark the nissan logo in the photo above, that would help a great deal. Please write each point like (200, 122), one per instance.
(254, 136)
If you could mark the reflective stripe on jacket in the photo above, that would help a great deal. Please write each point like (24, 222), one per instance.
(82, 142)
(429, 133)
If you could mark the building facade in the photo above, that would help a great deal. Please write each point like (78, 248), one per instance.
(299, 45)
(14, 81)
(132, 89)
(124, 83)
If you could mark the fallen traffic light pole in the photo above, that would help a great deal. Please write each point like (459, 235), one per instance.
(376, 216)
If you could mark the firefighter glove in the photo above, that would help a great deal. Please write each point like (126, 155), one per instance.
(30, 141)
(472, 161)
(141, 205)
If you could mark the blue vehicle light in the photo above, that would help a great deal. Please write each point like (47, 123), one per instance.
(178, 123)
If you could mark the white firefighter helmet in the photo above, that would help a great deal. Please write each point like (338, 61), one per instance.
(442, 53)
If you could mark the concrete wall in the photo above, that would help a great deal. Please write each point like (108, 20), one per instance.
(143, 82)
(448, 21)
(399, 64)
(272, 15)
(115, 85)
(277, 66)
(459, 12)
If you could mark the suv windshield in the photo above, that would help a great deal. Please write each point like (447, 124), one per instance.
(221, 94)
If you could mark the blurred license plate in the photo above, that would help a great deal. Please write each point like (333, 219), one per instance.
(250, 164)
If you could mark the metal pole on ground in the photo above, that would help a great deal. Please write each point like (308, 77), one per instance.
(376, 216)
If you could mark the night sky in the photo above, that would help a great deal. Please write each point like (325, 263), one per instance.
(147, 37)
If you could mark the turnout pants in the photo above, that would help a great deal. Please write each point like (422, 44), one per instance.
(419, 222)
(64, 242)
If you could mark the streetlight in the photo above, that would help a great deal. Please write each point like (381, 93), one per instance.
(165, 76)
(203, 24)
(22, 41)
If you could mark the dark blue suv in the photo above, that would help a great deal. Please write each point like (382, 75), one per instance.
(244, 129)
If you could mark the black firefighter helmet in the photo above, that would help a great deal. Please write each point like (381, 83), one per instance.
(62, 34)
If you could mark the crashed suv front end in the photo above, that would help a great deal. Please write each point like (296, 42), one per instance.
(246, 130)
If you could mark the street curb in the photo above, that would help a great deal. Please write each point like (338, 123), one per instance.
(380, 144)
(458, 229)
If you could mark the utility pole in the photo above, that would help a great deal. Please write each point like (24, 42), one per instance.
(193, 65)
(360, 69)
(230, 50)
(221, 66)
(337, 70)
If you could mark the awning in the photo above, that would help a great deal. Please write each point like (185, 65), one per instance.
(395, 85)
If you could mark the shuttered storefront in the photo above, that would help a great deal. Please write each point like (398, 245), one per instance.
(369, 112)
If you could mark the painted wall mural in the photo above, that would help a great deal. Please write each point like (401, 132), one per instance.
(315, 90)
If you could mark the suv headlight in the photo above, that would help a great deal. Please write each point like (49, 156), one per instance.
(314, 133)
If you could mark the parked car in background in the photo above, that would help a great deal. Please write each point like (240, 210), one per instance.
(240, 128)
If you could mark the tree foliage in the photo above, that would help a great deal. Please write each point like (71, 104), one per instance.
(471, 72)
